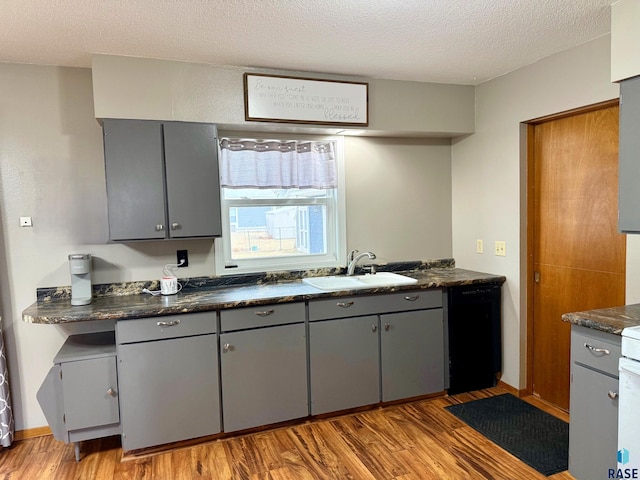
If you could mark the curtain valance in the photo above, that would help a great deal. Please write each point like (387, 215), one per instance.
(249, 163)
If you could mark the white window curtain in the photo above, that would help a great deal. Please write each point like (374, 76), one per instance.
(248, 163)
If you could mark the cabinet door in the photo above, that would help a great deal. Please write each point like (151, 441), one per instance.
(412, 354)
(49, 397)
(168, 390)
(344, 363)
(193, 182)
(629, 148)
(90, 389)
(593, 429)
(135, 179)
(264, 376)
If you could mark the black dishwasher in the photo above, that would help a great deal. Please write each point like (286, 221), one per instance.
(475, 340)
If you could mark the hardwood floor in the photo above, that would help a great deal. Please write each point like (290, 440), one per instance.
(413, 441)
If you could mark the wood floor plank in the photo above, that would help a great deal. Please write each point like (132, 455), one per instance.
(323, 448)
(413, 441)
(370, 449)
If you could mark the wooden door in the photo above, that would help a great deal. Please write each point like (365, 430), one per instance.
(578, 255)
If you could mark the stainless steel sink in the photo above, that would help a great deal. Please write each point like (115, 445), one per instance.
(381, 279)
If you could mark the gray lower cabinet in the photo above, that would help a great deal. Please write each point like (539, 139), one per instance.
(162, 179)
(367, 349)
(593, 427)
(79, 395)
(412, 354)
(168, 376)
(263, 365)
(628, 148)
(344, 363)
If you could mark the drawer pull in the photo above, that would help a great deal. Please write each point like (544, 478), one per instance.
(597, 350)
(412, 298)
(344, 304)
(612, 395)
(112, 392)
(226, 347)
(387, 327)
(374, 328)
(265, 313)
(172, 323)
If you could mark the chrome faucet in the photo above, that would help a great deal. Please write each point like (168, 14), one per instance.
(352, 260)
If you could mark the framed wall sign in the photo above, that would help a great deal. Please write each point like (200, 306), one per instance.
(276, 98)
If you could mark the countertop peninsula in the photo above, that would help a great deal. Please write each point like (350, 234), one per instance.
(53, 310)
(610, 320)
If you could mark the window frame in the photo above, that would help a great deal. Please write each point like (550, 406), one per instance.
(336, 224)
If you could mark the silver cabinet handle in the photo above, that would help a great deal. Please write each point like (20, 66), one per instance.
(175, 226)
(111, 392)
(374, 328)
(172, 323)
(412, 298)
(265, 313)
(612, 395)
(597, 350)
(344, 304)
(159, 227)
(387, 327)
(226, 347)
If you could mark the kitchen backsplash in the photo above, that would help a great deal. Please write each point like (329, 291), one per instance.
(130, 288)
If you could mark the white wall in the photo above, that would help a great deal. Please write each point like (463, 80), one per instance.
(399, 197)
(51, 168)
(487, 168)
(131, 87)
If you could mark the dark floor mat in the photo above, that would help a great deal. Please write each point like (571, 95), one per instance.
(537, 438)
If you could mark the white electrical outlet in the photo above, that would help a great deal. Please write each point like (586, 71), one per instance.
(26, 222)
(479, 246)
(501, 248)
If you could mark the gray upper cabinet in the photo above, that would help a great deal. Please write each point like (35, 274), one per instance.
(162, 179)
(629, 157)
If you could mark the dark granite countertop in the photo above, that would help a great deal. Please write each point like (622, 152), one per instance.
(609, 320)
(53, 310)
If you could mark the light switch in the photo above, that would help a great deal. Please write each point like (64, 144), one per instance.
(479, 246)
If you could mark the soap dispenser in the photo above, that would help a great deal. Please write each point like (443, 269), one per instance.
(80, 268)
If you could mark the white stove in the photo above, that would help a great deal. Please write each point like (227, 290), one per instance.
(629, 404)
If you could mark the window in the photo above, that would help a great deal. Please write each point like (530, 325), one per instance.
(282, 204)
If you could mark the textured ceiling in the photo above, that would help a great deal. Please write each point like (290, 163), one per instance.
(447, 41)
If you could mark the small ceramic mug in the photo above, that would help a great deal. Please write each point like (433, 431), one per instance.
(168, 285)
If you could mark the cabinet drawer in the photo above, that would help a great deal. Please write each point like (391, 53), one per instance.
(595, 349)
(261, 316)
(159, 328)
(341, 307)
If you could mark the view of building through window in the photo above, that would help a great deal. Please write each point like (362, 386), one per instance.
(279, 228)
(282, 204)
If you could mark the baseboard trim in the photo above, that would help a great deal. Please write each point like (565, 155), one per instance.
(32, 433)
(513, 390)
